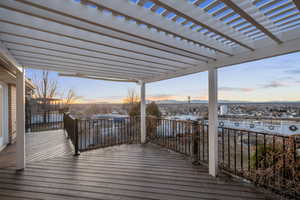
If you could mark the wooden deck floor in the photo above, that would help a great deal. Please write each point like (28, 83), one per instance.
(39, 146)
(122, 172)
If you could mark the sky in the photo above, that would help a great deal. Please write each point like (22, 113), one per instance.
(272, 79)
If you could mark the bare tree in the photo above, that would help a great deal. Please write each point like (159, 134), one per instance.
(131, 100)
(70, 99)
(46, 89)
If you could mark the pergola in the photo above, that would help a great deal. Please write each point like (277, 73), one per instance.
(143, 41)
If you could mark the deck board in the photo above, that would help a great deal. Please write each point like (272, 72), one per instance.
(39, 146)
(122, 172)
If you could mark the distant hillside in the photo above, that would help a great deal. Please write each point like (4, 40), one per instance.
(226, 101)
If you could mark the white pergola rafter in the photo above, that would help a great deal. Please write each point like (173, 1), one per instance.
(248, 11)
(151, 19)
(27, 50)
(108, 25)
(77, 75)
(6, 57)
(198, 16)
(66, 33)
(267, 49)
(48, 48)
(89, 66)
(86, 62)
(75, 69)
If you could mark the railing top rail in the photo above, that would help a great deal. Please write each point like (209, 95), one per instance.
(176, 120)
(104, 118)
(261, 133)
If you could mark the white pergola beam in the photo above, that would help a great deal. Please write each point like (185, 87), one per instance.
(75, 71)
(70, 57)
(81, 67)
(97, 78)
(54, 40)
(36, 47)
(265, 49)
(94, 20)
(7, 58)
(43, 58)
(68, 34)
(20, 120)
(83, 61)
(83, 70)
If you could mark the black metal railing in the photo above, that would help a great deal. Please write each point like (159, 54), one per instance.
(187, 137)
(42, 121)
(87, 134)
(268, 160)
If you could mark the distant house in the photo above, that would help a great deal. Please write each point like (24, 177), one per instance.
(8, 105)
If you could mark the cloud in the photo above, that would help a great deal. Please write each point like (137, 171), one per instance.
(294, 71)
(161, 97)
(275, 84)
(107, 99)
(236, 89)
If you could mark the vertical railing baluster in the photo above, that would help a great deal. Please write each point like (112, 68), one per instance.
(265, 152)
(130, 136)
(284, 162)
(273, 159)
(182, 138)
(76, 137)
(110, 132)
(203, 141)
(85, 130)
(256, 152)
(199, 141)
(234, 151)
(242, 154)
(165, 133)
(223, 148)
(229, 147)
(249, 152)
(207, 139)
(97, 132)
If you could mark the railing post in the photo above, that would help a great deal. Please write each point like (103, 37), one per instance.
(76, 138)
(195, 147)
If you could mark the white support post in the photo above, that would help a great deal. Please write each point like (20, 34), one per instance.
(143, 113)
(20, 121)
(213, 120)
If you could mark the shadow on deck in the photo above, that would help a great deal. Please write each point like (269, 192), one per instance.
(39, 146)
(121, 172)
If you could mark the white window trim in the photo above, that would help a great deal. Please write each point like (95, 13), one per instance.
(5, 115)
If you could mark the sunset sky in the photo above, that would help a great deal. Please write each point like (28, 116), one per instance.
(273, 79)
